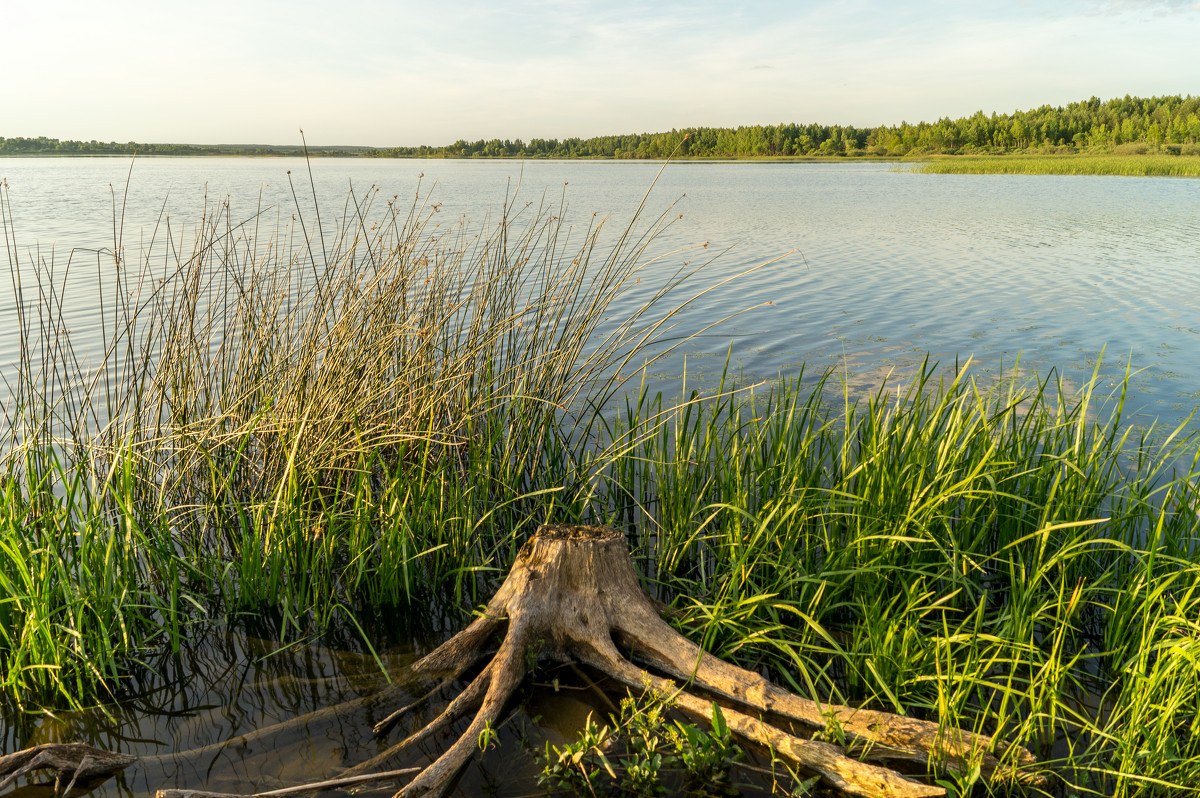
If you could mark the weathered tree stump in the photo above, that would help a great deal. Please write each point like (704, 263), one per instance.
(573, 594)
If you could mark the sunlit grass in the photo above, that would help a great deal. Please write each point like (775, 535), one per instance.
(298, 420)
(1001, 557)
(1080, 164)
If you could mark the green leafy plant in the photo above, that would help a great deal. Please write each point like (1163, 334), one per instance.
(645, 752)
(487, 737)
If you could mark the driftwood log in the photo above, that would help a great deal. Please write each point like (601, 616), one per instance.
(573, 595)
(70, 762)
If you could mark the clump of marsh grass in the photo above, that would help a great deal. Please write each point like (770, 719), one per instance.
(1124, 165)
(1004, 557)
(297, 419)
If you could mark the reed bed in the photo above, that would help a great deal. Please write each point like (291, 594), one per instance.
(296, 420)
(371, 421)
(1003, 558)
(1116, 165)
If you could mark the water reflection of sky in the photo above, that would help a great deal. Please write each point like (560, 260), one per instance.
(877, 268)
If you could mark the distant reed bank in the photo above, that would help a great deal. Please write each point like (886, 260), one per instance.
(1116, 165)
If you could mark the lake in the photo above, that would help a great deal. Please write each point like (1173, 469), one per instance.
(871, 270)
(875, 267)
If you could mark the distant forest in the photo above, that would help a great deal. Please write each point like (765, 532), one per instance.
(47, 146)
(1130, 125)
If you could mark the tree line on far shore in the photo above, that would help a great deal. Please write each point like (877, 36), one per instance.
(42, 145)
(1168, 124)
(1130, 125)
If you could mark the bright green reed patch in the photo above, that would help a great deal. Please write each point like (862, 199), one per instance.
(1119, 165)
(1005, 559)
(327, 433)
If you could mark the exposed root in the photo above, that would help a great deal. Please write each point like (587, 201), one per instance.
(461, 651)
(830, 762)
(469, 700)
(573, 590)
(298, 722)
(504, 676)
(384, 726)
(871, 734)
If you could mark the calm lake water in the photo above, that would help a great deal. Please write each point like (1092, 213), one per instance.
(874, 269)
(877, 267)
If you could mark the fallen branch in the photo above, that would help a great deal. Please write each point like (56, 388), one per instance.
(299, 789)
(76, 760)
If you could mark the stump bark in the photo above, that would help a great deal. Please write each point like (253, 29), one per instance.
(573, 594)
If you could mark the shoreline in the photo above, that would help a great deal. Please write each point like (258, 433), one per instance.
(1062, 164)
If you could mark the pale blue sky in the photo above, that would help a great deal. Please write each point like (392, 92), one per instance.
(379, 73)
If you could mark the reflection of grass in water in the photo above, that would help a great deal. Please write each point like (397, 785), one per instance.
(320, 439)
(1119, 165)
(220, 685)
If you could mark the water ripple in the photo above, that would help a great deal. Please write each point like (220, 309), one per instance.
(884, 266)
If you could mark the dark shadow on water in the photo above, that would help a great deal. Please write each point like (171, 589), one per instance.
(184, 713)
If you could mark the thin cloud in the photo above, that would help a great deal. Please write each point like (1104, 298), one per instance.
(388, 72)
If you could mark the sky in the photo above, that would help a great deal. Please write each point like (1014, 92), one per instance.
(387, 73)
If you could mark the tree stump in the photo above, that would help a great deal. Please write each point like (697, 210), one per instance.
(573, 594)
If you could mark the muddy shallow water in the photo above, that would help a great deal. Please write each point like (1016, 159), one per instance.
(186, 714)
